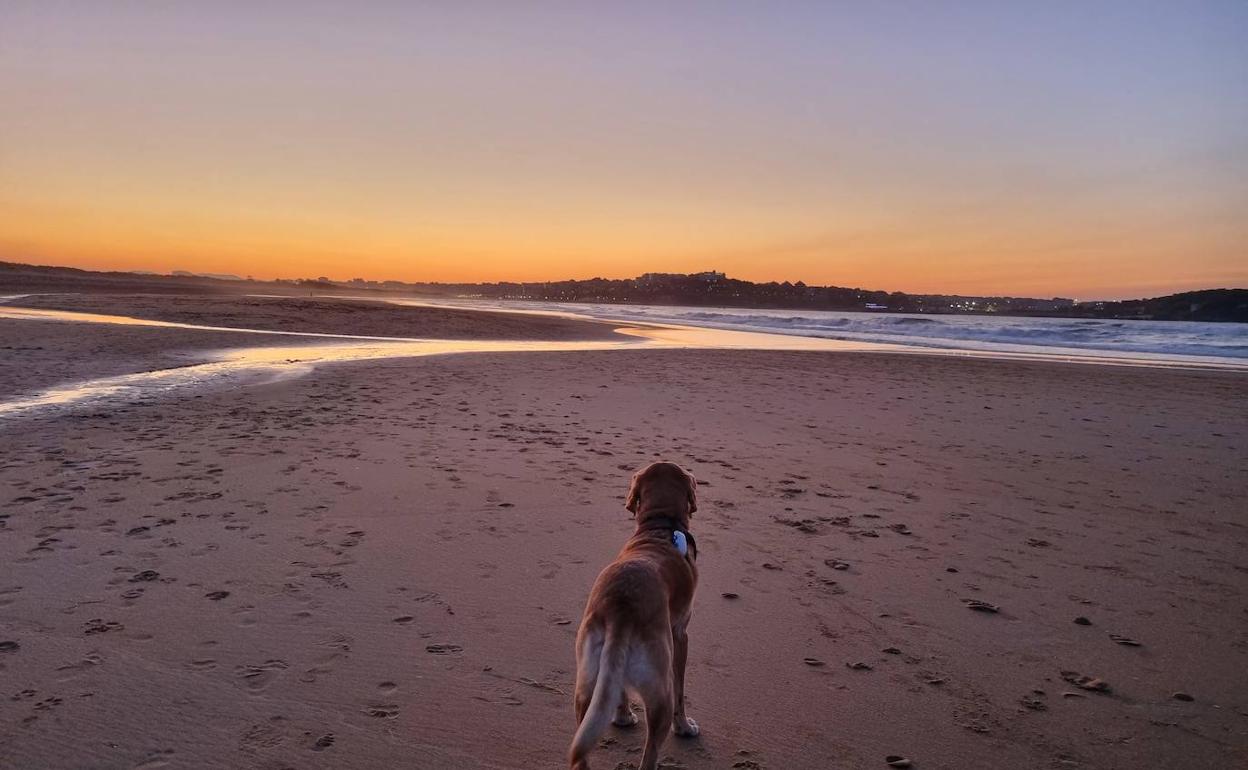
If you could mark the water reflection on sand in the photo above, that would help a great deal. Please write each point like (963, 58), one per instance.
(268, 363)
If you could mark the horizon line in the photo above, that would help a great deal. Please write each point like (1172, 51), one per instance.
(233, 277)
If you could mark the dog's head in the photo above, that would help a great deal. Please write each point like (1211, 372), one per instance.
(662, 489)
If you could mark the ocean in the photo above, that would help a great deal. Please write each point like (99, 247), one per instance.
(1168, 341)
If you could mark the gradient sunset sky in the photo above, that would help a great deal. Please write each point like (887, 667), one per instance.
(1087, 149)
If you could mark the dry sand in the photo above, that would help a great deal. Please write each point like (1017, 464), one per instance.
(382, 565)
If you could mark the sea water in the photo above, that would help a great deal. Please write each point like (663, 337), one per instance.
(1163, 341)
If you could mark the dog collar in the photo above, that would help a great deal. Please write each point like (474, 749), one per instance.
(683, 541)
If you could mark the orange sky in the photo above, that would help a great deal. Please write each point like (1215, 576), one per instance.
(999, 153)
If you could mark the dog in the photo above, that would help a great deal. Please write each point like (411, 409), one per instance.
(632, 638)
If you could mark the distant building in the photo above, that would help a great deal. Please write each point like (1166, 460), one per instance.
(709, 276)
(1042, 305)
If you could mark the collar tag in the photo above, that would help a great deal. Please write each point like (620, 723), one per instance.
(681, 542)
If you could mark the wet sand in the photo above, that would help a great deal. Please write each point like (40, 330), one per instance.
(382, 564)
(324, 315)
(35, 355)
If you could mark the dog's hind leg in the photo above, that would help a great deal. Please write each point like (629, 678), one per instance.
(588, 659)
(652, 679)
(658, 723)
(597, 696)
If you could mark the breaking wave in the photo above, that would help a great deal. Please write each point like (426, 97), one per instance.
(1162, 339)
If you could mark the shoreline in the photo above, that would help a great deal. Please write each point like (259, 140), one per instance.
(843, 329)
(202, 364)
(45, 348)
(581, 320)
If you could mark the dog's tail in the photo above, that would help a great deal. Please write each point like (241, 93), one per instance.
(608, 689)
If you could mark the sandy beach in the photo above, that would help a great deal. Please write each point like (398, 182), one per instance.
(382, 564)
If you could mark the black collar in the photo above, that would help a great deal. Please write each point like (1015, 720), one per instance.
(672, 525)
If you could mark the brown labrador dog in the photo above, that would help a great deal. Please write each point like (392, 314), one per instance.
(632, 638)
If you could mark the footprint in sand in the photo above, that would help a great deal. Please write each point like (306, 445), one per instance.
(88, 662)
(47, 704)
(5, 595)
(156, 759)
(323, 665)
(981, 606)
(385, 711)
(324, 742)
(260, 737)
(339, 642)
(98, 626)
(257, 678)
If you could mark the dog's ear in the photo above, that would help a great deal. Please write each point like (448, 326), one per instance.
(693, 493)
(634, 494)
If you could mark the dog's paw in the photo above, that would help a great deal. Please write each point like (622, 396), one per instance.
(624, 718)
(686, 728)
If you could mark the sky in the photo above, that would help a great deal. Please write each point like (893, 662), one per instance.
(1088, 150)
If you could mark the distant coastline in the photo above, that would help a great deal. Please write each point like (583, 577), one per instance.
(707, 289)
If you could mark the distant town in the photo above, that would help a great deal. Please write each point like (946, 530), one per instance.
(713, 288)
(710, 288)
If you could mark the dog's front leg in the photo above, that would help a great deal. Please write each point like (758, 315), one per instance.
(681, 724)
